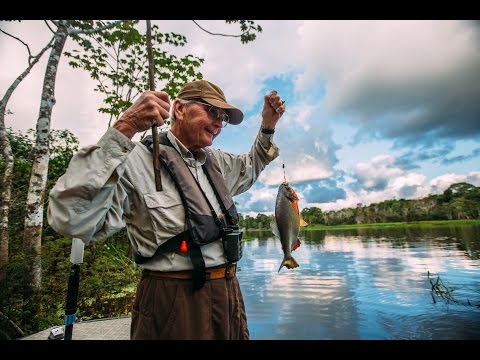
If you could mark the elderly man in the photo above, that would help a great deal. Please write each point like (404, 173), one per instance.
(186, 236)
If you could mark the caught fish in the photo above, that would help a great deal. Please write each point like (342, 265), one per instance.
(286, 223)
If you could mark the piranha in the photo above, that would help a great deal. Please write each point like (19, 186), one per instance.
(286, 223)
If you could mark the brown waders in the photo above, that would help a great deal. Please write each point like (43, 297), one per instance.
(167, 308)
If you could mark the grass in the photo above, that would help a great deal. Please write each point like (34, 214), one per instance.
(440, 290)
(428, 223)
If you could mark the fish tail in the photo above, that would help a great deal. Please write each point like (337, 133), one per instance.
(289, 262)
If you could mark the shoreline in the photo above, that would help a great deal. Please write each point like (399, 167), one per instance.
(424, 223)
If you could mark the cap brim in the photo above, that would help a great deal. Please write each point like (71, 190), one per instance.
(234, 114)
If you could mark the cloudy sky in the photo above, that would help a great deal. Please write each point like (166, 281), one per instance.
(376, 110)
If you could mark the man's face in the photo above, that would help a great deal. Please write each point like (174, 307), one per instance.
(199, 124)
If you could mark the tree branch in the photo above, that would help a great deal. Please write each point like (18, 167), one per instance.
(48, 25)
(12, 323)
(208, 32)
(28, 48)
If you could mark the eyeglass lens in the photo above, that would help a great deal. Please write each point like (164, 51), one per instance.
(215, 113)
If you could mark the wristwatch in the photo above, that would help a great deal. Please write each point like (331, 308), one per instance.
(268, 131)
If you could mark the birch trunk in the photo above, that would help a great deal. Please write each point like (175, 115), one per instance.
(6, 192)
(32, 240)
(7, 154)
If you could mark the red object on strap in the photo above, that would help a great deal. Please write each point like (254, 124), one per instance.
(183, 246)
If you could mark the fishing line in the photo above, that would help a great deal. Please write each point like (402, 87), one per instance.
(283, 167)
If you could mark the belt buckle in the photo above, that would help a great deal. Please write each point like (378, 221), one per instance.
(230, 271)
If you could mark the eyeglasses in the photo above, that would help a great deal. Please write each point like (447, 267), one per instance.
(215, 113)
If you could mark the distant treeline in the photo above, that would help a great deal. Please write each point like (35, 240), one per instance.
(460, 201)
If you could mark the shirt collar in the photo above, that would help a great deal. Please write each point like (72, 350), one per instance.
(187, 156)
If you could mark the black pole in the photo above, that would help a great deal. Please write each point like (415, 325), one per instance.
(72, 296)
(76, 258)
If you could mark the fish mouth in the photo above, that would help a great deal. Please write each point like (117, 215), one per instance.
(292, 195)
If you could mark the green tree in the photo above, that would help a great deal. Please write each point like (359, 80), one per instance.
(313, 216)
(13, 294)
(117, 59)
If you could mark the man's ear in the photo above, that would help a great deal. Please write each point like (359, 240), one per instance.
(179, 109)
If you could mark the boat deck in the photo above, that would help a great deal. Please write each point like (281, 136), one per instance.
(100, 329)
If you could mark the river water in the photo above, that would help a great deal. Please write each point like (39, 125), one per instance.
(367, 284)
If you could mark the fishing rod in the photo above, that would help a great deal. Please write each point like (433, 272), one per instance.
(155, 137)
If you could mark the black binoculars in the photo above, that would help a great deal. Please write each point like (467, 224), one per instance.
(232, 243)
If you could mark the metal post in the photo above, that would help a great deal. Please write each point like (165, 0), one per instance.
(76, 258)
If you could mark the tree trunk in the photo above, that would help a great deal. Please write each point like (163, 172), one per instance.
(5, 193)
(8, 161)
(32, 240)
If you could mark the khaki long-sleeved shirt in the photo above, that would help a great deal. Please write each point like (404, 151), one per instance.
(111, 185)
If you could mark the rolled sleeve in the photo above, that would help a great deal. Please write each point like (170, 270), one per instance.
(87, 201)
(241, 171)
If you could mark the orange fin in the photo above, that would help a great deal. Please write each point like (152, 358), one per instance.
(296, 245)
(303, 222)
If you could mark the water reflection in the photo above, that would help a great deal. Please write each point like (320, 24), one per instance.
(364, 284)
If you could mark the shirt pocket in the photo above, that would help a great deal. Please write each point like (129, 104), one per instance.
(167, 213)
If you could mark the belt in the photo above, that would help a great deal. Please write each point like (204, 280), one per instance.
(226, 271)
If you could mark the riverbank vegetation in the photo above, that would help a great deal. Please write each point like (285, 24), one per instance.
(461, 201)
(426, 223)
(108, 275)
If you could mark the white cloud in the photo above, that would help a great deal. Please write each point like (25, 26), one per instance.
(298, 115)
(378, 172)
(441, 183)
(264, 194)
(306, 167)
(408, 179)
(350, 55)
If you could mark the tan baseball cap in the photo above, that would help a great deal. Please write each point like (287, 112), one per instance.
(212, 94)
